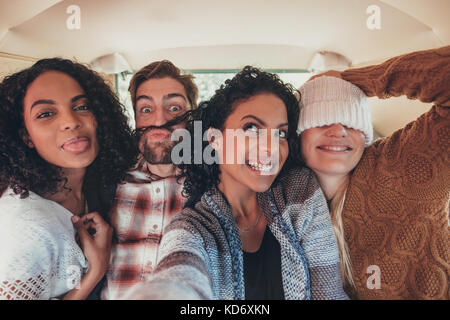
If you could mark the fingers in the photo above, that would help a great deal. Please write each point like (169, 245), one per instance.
(75, 219)
(77, 222)
(85, 227)
(90, 227)
(96, 219)
(94, 216)
(93, 229)
(82, 231)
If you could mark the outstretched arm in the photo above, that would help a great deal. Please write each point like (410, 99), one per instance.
(423, 75)
(182, 271)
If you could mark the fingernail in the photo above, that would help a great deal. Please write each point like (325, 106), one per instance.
(75, 219)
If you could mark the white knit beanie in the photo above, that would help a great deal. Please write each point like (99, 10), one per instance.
(327, 100)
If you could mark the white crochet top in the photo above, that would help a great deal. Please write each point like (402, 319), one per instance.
(39, 257)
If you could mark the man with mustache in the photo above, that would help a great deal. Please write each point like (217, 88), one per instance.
(151, 194)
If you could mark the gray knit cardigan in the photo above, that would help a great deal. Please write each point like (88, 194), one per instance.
(200, 254)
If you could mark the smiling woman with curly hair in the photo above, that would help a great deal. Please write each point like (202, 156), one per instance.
(64, 145)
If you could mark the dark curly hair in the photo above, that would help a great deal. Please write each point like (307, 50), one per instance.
(21, 167)
(249, 82)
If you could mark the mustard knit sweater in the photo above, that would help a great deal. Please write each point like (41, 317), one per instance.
(397, 203)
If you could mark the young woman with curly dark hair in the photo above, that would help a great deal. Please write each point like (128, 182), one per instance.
(236, 238)
(64, 145)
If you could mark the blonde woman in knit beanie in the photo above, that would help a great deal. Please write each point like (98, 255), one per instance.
(388, 200)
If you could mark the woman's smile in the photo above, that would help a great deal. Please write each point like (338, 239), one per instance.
(332, 149)
(263, 122)
(263, 166)
(335, 149)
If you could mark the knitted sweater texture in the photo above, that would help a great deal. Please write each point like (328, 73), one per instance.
(397, 204)
(202, 251)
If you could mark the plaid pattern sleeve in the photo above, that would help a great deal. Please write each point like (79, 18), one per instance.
(142, 207)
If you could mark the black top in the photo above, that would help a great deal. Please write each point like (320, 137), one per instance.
(262, 271)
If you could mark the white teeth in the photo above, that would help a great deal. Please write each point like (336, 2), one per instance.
(260, 167)
(334, 148)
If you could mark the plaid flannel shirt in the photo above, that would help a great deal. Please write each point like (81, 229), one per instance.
(142, 207)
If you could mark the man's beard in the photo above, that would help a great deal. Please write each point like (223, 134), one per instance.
(158, 152)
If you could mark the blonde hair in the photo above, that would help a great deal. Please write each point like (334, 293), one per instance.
(336, 210)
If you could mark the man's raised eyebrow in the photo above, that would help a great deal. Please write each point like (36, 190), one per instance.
(175, 95)
(144, 97)
(167, 96)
